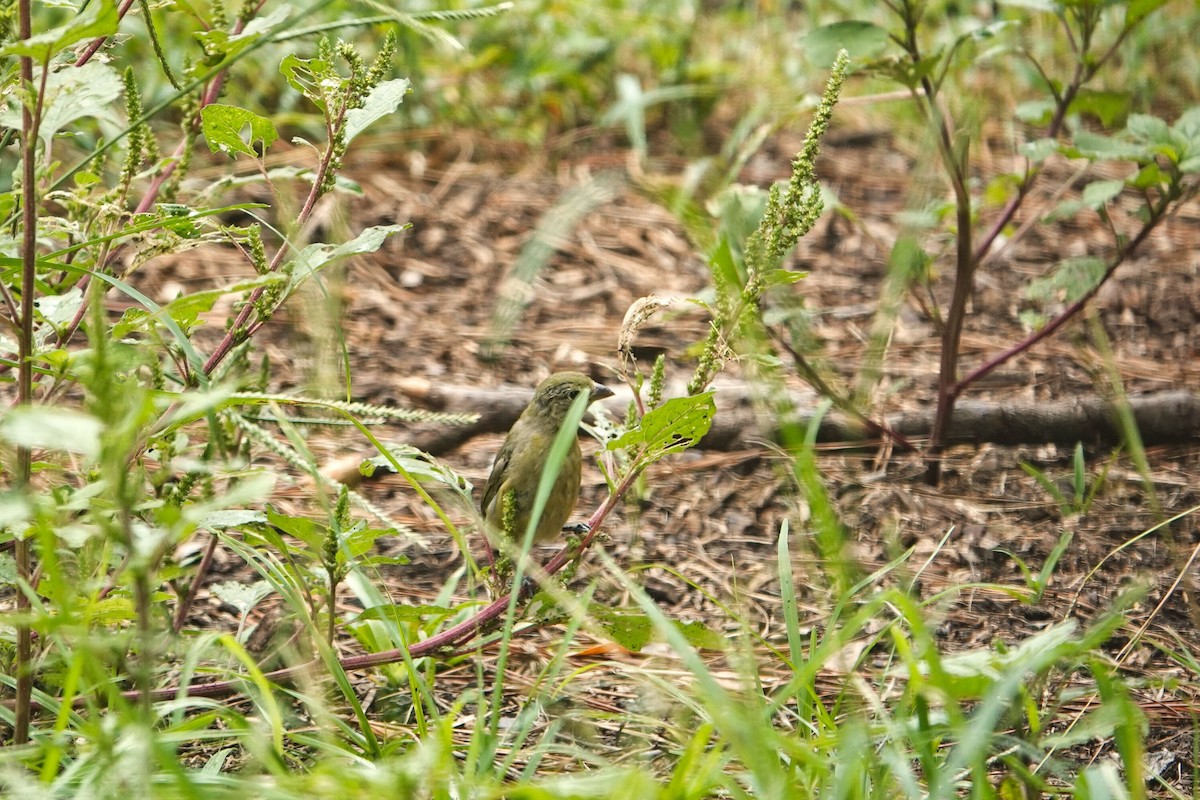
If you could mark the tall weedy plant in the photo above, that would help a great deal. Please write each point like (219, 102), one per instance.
(105, 470)
(1160, 159)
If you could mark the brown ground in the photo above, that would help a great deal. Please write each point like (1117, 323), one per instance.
(423, 307)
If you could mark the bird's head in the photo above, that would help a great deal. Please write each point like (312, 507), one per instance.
(554, 396)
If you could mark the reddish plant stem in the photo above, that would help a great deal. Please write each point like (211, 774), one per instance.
(185, 605)
(242, 329)
(99, 41)
(1157, 216)
(949, 387)
(24, 469)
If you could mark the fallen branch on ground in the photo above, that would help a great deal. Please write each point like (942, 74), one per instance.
(1162, 418)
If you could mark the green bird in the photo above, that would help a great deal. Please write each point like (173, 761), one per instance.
(518, 465)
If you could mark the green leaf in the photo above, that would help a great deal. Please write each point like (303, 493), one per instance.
(1137, 10)
(220, 46)
(1064, 210)
(73, 93)
(95, 20)
(862, 40)
(1070, 280)
(630, 630)
(318, 256)
(1035, 112)
(783, 277)
(304, 529)
(244, 597)
(908, 258)
(231, 518)
(186, 309)
(1101, 782)
(1188, 126)
(1097, 193)
(1147, 176)
(223, 125)
(1039, 150)
(383, 100)
(314, 78)
(1108, 107)
(1149, 129)
(404, 614)
(1095, 146)
(1035, 5)
(59, 309)
(1186, 132)
(676, 425)
(53, 428)
(15, 512)
(700, 635)
(112, 611)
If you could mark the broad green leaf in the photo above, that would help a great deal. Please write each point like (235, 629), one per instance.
(1108, 107)
(1187, 135)
(908, 258)
(700, 635)
(862, 40)
(419, 465)
(220, 46)
(1070, 280)
(54, 428)
(401, 614)
(8, 568)
(1095, 146)
(223, 126)
(314, 78)
(783, 277)
(1064, 210)
(1035, 5)
(361, 541)
(1035, 112)
(1137, 10)
(1097, 193)
(96, 19)
(303, 528)
(1039, 150)
(1094, 726)
(676, 425)
(231, 518)
(242, 596)
(976, 671)
(1149, 129)
(59, 309)
(318, 256)
(1188, 126)
(73, 93)
(15, 511)
(111, 611)
(383, 100)
(631, 630)
(1103, 781)
(1149, 175)
(186, 309)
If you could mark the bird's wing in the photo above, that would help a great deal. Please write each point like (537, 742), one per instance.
(496, 478)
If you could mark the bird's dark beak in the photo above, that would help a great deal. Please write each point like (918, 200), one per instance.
(599, 392)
